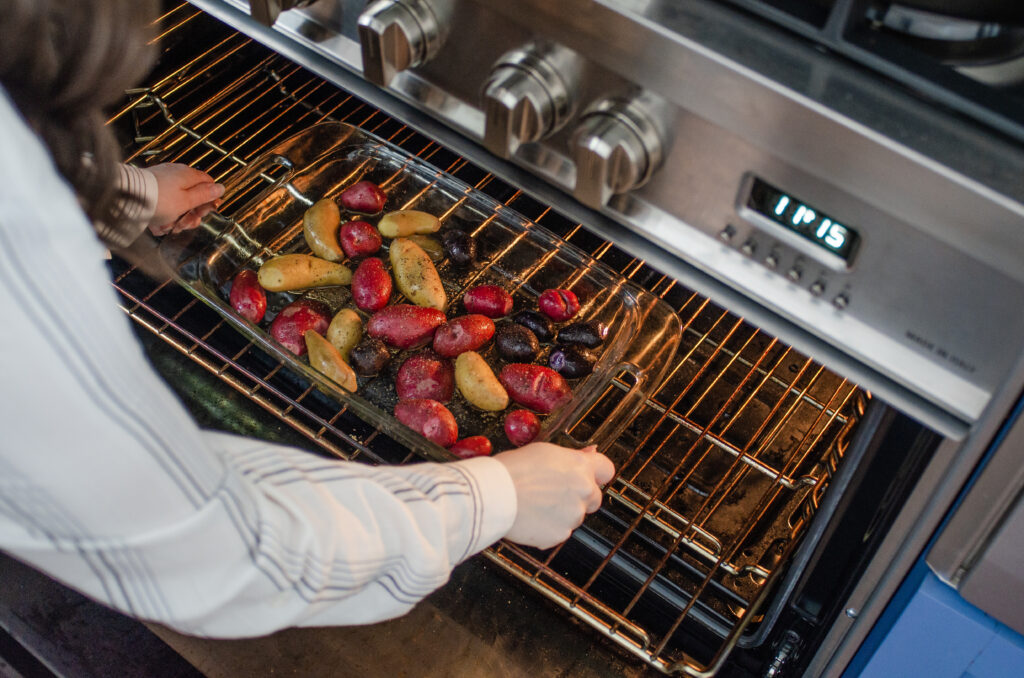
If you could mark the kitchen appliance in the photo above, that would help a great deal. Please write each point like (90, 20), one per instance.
(777, 161)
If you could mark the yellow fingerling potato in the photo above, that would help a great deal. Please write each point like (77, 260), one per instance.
(320, 226)
(325, 358)
(345, 331)
(407, 222)
(477, 383)
(415, 274)
(301, 271)
(429, 244)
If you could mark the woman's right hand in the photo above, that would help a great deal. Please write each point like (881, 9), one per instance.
(555, 488)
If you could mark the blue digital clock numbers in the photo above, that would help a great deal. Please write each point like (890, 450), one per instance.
(803, 219)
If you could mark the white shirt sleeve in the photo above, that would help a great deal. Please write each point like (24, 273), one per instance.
(108, 485)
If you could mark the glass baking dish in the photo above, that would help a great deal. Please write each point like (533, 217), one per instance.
(261, 217)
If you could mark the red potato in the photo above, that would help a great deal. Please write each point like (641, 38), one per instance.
(489, 300)
(465, 333)
(247, 297)
(473, 446)
(404, 325)
(371, 285)
(559, 305)
(536, 387)
(430, 419)
(363, 196)
(359, 239)
(426, 375)
(295, 319)
(521, 427)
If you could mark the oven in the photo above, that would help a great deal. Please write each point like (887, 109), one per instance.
(831, 211)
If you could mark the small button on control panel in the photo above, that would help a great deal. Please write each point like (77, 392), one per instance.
(782, 260)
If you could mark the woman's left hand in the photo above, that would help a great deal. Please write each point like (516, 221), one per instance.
(185, 196)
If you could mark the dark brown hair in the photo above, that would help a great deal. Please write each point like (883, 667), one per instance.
(64, 63)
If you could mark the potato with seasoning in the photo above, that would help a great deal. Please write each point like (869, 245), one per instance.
(295, 319)
(521, 427)
(300, 272)
(371, 285)
(477, 383)
(473, 446)
(345, 331)
(247, 297)
(363, 196)
(404, 325)
(327, 360)
(465, 333)
(490, 300)
(369, 356)
(539, 388)
(404, 223)
(415, 275)
(430, 419)
(425, 375)
(359, 239)
(320, 229)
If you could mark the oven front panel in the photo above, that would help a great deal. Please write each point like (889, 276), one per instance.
(934, 203)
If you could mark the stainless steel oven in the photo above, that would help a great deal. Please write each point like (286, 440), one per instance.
(833, 212)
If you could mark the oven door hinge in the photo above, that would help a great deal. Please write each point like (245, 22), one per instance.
(786, 650)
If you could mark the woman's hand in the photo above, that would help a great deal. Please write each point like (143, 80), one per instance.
(185, 196)
(555, 487)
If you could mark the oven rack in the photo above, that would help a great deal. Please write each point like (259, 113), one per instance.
(717, 475)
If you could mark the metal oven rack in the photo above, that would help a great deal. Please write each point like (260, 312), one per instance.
(718, 474)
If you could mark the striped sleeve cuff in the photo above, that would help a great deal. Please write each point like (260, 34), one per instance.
(495, 497)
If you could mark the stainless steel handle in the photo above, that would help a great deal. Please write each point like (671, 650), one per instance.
(618, 145)
(400, 34)
(267, 11)
(530, 93)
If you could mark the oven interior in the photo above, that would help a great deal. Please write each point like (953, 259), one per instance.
(727, 476)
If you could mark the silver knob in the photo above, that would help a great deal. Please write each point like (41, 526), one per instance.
(618, 145)
(772, 260)
(530, 93)
(817, 288)
(400, 34)
(267, 11)
(748, 248)
(841, 301)
(794, 274)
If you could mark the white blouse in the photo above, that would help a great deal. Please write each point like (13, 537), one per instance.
(108, 485)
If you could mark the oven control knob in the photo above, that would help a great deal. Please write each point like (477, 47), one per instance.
(618, 145)
(400, 34)
(267, 11)
(841, 301)
(530, 93)
(794, 274)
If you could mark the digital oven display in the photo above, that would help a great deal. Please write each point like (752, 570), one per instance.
(805, 220)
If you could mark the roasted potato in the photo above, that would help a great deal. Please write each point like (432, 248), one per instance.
(404, 325)
(477, 383)
(415, 275)
(425, 375)
(301, 271)
(320, 228)
(473, 446)
(539, 388)
(326, 359)
(247, 297)
(345, 331)
(295, 319)
(408, 222)
(363, 196)
(465, 333)
(371, 285)
(430, 419)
